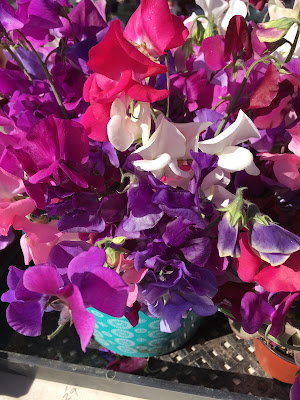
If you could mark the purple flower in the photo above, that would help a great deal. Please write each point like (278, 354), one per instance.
(7, 240)
(295, 389)
(255, 310)
(86, 19)
(86, 283)
(273, 243)
(91, 285)
(25, 311)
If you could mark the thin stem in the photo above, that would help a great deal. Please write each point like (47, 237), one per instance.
(153, 114)
(56, 332)
(168, 86)
(48, 75)
(213, 223)
(75, 39)
(21, 66)
(49, 55)
(195, 20)
(237, 96)
(292, 51)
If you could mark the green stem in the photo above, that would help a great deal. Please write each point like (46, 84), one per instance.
(290, 55)
(213, 223)
(75, 39)
(48, 75)
(168, 87)
(153, 114)
(237, 96)
(195, 20)
(49, 55)
(56, 332)
(21, 66)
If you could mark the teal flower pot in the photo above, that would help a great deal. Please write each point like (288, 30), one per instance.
(144, 340)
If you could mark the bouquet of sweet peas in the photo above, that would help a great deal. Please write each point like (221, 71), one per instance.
(150, 167)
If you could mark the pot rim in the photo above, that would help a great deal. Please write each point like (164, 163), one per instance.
(278, 353)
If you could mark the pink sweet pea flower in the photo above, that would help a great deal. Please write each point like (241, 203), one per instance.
(39, 239)
(11, 186)
(294, 144)
(130, 276)
(282, 278)
(286, 168)
(152, 25)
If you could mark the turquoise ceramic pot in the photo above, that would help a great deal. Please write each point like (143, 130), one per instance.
(144, 340)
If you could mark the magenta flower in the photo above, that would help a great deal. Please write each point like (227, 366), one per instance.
(54, 148)
(122, 75)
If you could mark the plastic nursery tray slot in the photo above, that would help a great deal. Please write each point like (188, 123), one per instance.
(110, 381)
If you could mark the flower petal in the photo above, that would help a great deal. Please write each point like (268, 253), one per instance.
(234, 158)
(240, 131)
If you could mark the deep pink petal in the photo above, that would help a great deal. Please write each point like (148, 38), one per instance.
(122, 56)
(267, 90)
(153, 24)
(145, 93)
(247, 265)
(95, 121)
(213, 49)
(284, 278)
(43, 279)
(83, 320)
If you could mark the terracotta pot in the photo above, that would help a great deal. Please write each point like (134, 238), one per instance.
(274, 363)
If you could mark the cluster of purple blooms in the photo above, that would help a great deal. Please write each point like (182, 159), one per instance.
(151, 168)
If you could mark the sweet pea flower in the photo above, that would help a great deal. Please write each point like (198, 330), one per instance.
(122, 75)
(222, 11)
(152, 25)
(11, 186)
(286, 166)
(168, 144)
(123, 130)
(130, 276)
(87, 278)
(39, 239)
(270, 241)
(214, 187)
(232, 157)
(277, 10)
(281, 278)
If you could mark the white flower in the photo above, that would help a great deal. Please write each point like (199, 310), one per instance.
(213, 7)
(123, 130)
(213, 186)
(222, 11)
(236, 7)
(231, 157)
(277, 10)
(168, 144)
